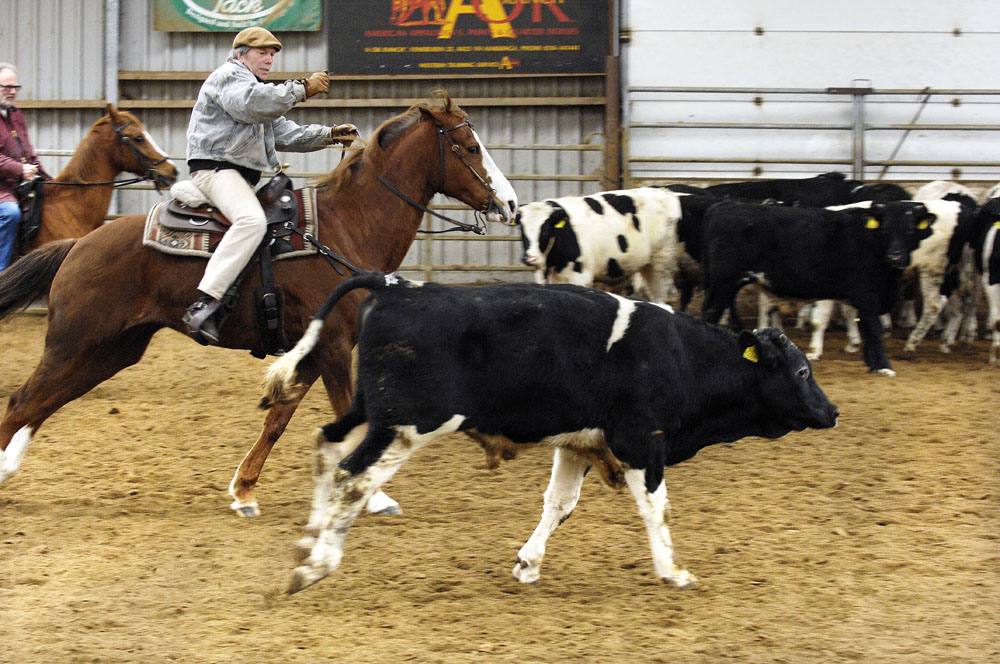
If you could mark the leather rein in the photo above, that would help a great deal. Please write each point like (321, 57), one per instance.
(479, 228)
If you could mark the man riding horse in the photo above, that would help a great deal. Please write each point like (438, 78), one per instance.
(235, 129)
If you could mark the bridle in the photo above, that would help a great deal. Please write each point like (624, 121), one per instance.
(479, 228)
(148, 164)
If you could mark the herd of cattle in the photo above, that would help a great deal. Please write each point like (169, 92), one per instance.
(625, 384)
(812, 240)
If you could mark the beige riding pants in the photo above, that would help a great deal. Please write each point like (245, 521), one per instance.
(236, 199)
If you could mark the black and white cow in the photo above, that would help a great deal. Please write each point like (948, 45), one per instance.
(853, 254)
(935, 257)
(607, 237)
(623, 384)
(986, 247)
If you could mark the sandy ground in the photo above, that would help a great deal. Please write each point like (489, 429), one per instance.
(877, 541)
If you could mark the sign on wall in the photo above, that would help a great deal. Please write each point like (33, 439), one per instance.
(369, 37)
(234, 15)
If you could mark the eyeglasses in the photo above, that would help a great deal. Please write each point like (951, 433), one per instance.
(15, 88)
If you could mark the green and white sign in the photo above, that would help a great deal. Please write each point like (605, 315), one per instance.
(230, 15)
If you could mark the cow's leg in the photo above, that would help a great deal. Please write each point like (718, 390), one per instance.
(930, 290)
(653, 508)
(353, 482)
(993, 316)
(850, 315)
(767, 313)
(70, 367)
(561, 496)
(873, 349)
(819, 320)
(337, 382)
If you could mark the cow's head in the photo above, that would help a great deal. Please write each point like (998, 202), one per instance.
(790, 399)
(547, 236)
(901, 225)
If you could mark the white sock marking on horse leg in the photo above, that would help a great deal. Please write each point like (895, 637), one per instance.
(10, 459)
(561, 496)
(653, 509)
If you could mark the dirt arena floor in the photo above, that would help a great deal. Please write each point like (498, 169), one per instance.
(877, 541)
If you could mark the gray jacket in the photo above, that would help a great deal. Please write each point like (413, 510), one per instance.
(239, 119)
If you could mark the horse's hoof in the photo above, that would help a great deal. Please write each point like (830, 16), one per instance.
(245, 509)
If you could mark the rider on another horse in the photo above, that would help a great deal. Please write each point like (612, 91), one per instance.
(235, 128)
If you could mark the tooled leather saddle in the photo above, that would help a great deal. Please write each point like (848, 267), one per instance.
(278, 199)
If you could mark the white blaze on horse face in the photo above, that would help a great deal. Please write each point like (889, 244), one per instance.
(10, 459)
(505, 191)
(156, 147)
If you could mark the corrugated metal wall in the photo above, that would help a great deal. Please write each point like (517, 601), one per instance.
(546, 149)
(719, 82)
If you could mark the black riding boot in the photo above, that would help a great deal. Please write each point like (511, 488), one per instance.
(200, 320)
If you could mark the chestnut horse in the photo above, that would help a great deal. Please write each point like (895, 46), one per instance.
(76, 201)
(108, 293)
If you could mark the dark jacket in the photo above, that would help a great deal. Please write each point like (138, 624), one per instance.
(15, 150)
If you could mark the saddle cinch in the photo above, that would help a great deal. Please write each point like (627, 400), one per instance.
(189, 210)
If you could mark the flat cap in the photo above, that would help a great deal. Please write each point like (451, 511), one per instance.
(256, 37)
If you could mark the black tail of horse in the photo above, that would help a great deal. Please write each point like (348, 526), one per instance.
(279, 379)
(29, 278)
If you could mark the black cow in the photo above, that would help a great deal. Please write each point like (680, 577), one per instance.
(854, 254)
(623, 384)
(821, 191)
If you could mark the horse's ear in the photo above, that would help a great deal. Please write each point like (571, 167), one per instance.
(113, 112)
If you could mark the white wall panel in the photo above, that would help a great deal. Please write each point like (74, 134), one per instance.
(889, 45)
(813, 16)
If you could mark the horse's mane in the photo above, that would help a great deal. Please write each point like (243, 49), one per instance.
(384, 135)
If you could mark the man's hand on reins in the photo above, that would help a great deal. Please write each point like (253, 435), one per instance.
(343, 134)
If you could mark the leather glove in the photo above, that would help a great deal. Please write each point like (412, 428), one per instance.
(316, 83)
(344, 134)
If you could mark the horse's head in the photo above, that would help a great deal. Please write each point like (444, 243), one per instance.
(136, 151)
(467, 171)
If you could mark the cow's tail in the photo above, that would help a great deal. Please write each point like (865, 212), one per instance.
(280, 385)
(29, 278)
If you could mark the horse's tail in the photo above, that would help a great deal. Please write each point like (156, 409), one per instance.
(29, 277)
(279, 379)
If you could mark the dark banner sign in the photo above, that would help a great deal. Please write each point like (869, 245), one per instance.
(370, 37)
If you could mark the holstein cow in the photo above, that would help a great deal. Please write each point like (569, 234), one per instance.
(960, 284)
(606, 237)
(626, 385)
(986, 246)
(935, 256)
(854, 254)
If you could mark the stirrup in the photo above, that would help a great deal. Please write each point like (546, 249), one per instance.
(200, 320)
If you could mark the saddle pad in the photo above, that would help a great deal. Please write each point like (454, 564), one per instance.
(193, 243)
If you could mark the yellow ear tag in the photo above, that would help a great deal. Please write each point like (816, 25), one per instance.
(922, 226)
(560, 224)
(996, 224)
(750, 354)
(872, 223)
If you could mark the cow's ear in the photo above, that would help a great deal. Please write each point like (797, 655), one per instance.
(749, 346)
(926, 221)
